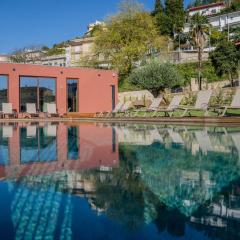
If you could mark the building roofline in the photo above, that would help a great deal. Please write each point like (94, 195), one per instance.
(206, 6)
(59, 67)
(76, 41)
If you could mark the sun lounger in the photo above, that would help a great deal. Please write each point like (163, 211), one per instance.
(202, 103)
(235, 104)
(52, 110)
(117, 108)
(31, 110)
(125, 108)
(174, 104)
(7, 110)
(152, 108)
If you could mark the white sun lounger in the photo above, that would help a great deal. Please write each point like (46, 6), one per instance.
(7, 110)
(154, 106)
(235, 104)
(202, 103)
(31, 109)
(117, 108)
(174, 104)
(52, 110)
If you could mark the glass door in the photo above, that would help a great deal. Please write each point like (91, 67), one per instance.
(113, 96)
(72, 95)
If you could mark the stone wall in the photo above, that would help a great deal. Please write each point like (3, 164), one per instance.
(220, 96)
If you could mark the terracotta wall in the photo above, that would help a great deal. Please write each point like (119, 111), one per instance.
(95, 93)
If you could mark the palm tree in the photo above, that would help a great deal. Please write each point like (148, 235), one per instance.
(199, 30)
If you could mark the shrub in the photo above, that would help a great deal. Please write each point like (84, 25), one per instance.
(156, 77)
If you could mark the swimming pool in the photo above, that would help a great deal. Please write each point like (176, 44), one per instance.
(119, 181)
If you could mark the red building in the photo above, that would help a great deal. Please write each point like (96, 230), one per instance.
(79, 90)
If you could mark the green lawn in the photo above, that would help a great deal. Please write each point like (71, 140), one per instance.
(178, 113)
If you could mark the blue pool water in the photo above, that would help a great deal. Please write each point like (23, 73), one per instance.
(119, 181)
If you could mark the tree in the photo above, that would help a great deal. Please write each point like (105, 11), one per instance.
(29, 54)
(155, 77)
(199, 29)
(216, 36)
(18, 56)
(176, 15)
(225, 59)
(158, 8)
(162, 20)
(127, 37)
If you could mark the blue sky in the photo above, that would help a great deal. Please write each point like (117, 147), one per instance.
(45, 22)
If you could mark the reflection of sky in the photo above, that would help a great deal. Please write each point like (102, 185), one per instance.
(3, 82)
(36, 213)
(43, 82)
(37, 148)
(4, 155)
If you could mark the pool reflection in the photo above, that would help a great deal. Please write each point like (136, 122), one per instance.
(130, 180)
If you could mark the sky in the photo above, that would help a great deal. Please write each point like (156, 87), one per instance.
(25, 23)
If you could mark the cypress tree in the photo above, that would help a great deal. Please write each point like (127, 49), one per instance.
(158, 8)
(175, 11)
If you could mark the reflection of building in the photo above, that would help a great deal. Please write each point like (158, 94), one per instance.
(221, 211)
(96, 89)
(29, 150)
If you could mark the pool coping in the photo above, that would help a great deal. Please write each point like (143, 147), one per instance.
(155, 120)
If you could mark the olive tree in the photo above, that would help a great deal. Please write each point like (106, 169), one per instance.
(156, 77)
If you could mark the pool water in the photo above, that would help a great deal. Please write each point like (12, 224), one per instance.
(119, 181)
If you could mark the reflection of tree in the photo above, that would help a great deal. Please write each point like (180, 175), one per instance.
(172, 185)
(122, 194)
(181, 180)
(171, 221)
